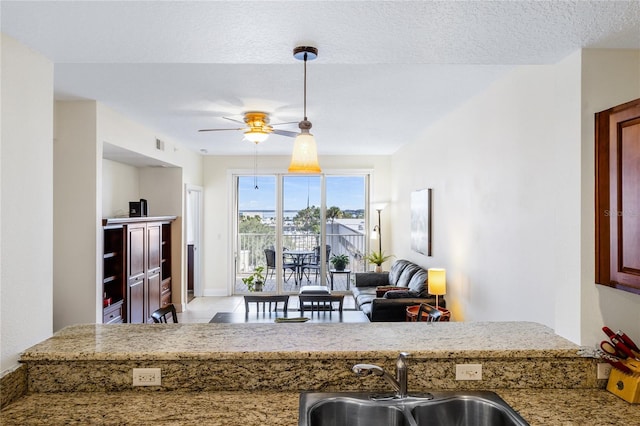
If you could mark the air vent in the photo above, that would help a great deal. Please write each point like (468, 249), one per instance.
(159, 145)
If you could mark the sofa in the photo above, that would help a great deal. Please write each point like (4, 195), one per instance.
(384, 296)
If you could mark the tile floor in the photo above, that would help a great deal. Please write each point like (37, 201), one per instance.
(202, 309)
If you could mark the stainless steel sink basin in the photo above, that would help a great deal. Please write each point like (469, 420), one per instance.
(355, 412)
(461, 409)
(443, 408)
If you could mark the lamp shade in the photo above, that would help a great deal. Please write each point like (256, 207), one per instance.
(379, 206)
(305, 156)
(256, 136)
(437, 281)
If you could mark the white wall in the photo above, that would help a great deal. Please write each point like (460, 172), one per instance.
(26, 204)
(609, 78)
(566, 205)
(76, 188)
(162, 188)
(512, 173)
(116, 129)
(120, 184)
(217, 243)
(492, 169)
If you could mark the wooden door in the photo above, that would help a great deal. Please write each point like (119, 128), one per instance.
(618, 197)
(136, 275)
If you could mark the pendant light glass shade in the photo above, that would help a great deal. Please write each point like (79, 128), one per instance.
(304, 158)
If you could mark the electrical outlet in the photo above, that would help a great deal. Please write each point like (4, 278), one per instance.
(147, 377)
(468, 371)
(604, 369)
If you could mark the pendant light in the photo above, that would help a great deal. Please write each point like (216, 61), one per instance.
(305, 156)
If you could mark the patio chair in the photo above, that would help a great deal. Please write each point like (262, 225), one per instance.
(313, 264)
(270, 300)
(160, 315)
(287, 265)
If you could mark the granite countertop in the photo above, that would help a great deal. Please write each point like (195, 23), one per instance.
(285, 341)
(528, 354)
(583, 407)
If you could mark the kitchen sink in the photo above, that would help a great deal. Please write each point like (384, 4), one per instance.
(458, 408)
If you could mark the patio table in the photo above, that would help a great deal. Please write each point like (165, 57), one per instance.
(298, 257)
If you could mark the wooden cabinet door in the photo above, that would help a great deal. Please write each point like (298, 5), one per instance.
(153, 299)
(624, 139)
(618, 197)
(154, 263)
(136, 302)
(154, 241)
(135, 251)
(136, 273)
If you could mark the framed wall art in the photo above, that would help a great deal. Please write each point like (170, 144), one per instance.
(421, 221)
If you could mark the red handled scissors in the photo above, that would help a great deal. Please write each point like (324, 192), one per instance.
(621, 345)
(610, 349)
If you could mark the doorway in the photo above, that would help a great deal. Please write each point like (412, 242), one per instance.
(289, 227)
(193, 232)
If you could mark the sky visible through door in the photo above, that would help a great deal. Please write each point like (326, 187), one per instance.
(345, 192)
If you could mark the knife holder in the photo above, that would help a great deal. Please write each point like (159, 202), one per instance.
(626, 386)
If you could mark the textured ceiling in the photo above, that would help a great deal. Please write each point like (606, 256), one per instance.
(385, 71)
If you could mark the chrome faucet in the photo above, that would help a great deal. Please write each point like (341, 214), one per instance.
(399, 384)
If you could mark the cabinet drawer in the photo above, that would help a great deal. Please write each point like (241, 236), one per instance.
(165, 299)
(112, 314)
(166, 286)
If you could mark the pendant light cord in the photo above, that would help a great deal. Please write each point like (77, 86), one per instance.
(255, 166)
(305, 86)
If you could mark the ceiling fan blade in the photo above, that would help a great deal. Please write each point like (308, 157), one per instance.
(234, 120)
(219, 130)
(286, 133)
(288, 122)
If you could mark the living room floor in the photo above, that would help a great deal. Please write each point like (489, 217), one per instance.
(202, 309)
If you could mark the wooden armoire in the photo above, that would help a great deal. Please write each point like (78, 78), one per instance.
(136, 267)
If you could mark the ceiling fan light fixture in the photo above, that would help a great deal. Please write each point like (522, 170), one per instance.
(304, 158)
(256, 136)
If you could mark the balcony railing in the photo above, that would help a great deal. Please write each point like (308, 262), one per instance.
(251, 250)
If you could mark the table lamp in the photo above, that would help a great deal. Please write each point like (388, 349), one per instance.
(437, 282)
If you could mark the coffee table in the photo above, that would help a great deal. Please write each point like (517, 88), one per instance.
(270, 317)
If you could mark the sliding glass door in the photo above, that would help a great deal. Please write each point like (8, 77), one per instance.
(291, 226)
(345, 226)
(301, 232)
(255, 229)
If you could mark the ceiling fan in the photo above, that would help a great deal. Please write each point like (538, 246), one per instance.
(257, 127)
